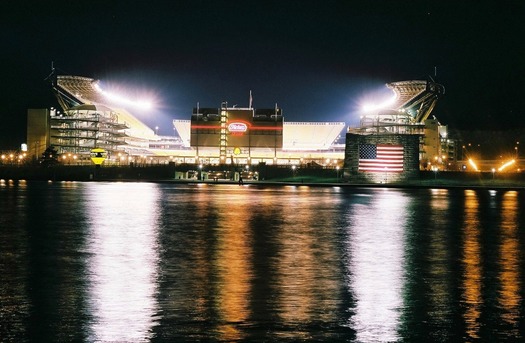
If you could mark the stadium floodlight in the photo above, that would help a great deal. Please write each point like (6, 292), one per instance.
(143, 104)
(381, 104)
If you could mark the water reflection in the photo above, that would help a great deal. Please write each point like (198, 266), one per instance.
(376, 267)
(264, 263)
(122, 263)
(509, 294)
(110, 262)
(232, 261)
(438, 257)
(472, 274)
(308, 291)
(15, 305)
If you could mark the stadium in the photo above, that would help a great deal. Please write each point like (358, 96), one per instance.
(396, 138)
(90, 117)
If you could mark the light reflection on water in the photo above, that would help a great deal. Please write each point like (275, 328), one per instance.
(509, 297)
(122, 263)
(472, 299)
(438, 259)
(132, 262)
(232, 263)
(306, 282)
(376, 265)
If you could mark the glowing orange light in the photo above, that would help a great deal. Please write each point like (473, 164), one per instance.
(471, 162)
(506, 164)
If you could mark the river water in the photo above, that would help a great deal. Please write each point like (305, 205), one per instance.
(147, 262)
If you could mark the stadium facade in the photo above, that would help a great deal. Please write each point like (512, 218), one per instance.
(392, 142)
(90, 119)
(396, 140)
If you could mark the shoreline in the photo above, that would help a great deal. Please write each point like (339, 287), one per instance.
(406, 185)
(269, 176)
(420, 184)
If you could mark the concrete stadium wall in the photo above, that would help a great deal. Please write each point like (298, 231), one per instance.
(410, 143)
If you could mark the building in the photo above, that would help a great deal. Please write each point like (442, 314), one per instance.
(252, 136)
(438, 151)
(90, 118)
(397, 138)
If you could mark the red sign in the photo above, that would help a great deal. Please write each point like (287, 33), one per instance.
(237, 127)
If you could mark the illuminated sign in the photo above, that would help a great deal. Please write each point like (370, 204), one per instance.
(98, 156)
(237, 127)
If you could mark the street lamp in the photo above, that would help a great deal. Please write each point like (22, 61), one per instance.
(337, 168)
(493, 172)
(156, 130)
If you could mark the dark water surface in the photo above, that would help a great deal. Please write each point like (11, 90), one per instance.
(145, 262)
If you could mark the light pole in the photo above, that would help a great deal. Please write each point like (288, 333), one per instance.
(156, 130)
(493, 172)
(337, 169)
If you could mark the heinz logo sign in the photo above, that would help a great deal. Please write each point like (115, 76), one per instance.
(237, 127)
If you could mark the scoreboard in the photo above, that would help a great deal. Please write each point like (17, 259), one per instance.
(242, 127)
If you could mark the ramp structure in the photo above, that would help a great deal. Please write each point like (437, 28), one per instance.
(89, 119)
(416, 98)
(396, 137)
(412, 104)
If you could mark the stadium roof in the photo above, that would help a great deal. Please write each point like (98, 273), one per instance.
(92, 107)
(417, 97)
(75, 91)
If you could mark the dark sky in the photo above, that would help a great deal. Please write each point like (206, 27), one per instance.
(318, 60)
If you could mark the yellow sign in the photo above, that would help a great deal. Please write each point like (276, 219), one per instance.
(98, 156)
(236, 151)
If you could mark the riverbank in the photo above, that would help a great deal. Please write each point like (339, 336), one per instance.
(269, 175)
(437, 183)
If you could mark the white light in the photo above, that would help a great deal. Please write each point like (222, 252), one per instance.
(369, 107)
(376, 260)
(144, 104)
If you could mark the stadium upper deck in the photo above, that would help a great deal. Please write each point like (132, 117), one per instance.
(405, 113)
(317, 140)
(73, 91)
(417, 98)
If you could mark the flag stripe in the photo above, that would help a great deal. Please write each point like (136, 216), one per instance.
(380, 158)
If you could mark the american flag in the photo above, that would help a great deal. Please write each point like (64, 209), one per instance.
(380, 158)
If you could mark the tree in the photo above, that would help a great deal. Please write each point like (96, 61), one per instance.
(49, 157)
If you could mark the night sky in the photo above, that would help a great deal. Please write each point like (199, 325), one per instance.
(318, 60)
